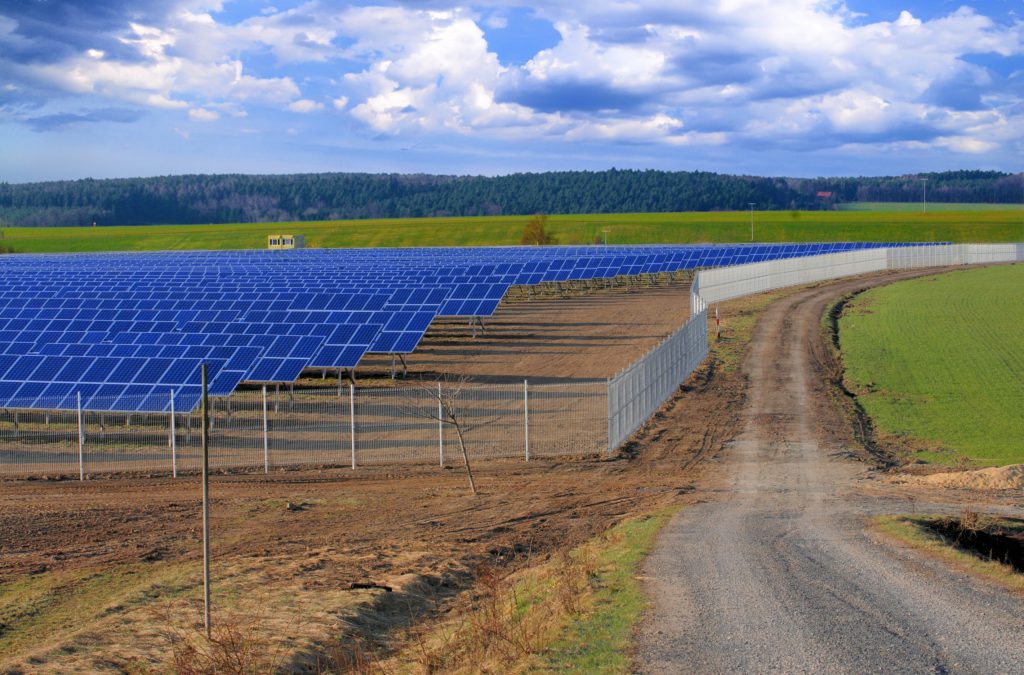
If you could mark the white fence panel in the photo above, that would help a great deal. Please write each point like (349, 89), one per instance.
(909, 257)
(640, 389)
(979, 254)
(726, 283)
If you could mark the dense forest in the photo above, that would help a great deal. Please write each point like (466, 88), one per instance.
(250, 198)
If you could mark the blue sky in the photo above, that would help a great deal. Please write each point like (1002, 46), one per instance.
(109, 88)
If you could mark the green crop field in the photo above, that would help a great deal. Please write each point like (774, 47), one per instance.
(939, 362)
(624, 228)
(917, 207)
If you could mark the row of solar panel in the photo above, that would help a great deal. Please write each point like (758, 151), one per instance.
(125, 329)
(459, 254)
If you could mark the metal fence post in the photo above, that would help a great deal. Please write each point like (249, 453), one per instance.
(206, 498)
(174, 441)
(526, 418)
(352, 420)
(266, 434)
(611, 414)
(440, 424)
(81, 438)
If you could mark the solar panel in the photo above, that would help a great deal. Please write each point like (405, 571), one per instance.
(127, 331)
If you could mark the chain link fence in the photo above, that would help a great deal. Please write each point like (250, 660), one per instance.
(412, 422)
(421, 422)
(640, 389)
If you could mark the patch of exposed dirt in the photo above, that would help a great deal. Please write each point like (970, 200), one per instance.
(994, 478)
(588, 336)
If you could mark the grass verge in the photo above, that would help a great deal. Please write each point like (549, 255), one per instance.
(916, 532)
(42, 609)
(575, 612)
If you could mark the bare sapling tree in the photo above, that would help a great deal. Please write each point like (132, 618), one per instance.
(536, 232)
(446, 397)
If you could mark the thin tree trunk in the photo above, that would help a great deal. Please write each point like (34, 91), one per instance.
(465, 458)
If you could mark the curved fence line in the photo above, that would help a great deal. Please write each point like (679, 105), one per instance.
(639, 390)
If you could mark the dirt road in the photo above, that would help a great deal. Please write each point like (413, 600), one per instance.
(777, 573)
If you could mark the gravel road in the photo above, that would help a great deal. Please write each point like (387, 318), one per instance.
(777, 573)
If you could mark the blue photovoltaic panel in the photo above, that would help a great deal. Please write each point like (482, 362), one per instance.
(127, 331)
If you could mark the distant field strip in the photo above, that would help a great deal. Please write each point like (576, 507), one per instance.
(976, 226)
(939, 362)
(932, 207)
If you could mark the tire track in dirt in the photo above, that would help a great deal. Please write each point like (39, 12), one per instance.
(778, 574)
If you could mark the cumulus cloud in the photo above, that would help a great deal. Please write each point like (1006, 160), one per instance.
(305, 105)
(789, 74)
(203, 115)
(145, 65)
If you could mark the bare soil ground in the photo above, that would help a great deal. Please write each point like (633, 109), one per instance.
(584, 337)
(105, 574)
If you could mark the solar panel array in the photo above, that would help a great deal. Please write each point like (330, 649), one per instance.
(128, 331)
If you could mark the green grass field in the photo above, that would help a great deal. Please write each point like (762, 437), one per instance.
(769, 226)
(933, 207)
(939, 361)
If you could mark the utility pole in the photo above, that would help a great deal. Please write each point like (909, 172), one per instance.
(924, 195)
(751, 220)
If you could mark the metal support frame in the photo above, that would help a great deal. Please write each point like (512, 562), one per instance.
(405, 366)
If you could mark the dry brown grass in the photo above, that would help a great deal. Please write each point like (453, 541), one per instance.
(239, 643)
(507, 623)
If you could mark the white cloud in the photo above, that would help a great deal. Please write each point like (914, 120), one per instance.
(203, 115)
(966, 144)
(675, 72)
(496, 21)
(305, 105)
(579, 57)
(161, 75)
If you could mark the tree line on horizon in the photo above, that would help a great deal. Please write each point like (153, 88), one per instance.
(230, 198)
